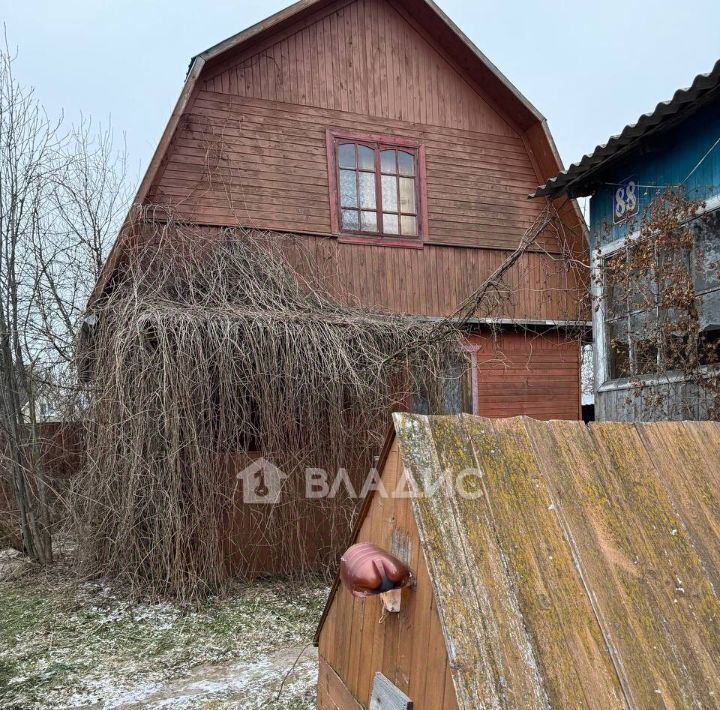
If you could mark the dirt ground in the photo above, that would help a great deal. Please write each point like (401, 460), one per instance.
(68, 644)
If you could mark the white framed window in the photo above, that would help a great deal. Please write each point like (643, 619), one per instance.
(625, 325)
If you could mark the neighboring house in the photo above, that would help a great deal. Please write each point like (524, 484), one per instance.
(46, 408)
(675, 146)
(556, 566)
(382, 139)
(44, 411)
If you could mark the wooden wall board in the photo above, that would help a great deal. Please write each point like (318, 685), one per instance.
(582, 574)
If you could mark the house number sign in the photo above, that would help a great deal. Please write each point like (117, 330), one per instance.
(625, 200)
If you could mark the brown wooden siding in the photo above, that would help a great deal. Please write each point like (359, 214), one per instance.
(432, 281)
(251, 551)
(255, 162)
(436, 280)
(62, 448)
(364, 57)
(332, 693)
(251, 147)
(250, 150)
(528, 373)
(408, 648)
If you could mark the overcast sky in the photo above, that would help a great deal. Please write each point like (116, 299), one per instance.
(589, 67)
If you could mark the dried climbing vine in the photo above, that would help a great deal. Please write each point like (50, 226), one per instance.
(658, 318)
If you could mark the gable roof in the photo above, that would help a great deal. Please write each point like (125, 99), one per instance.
(667, 114)
(427, 14)
(584, 570)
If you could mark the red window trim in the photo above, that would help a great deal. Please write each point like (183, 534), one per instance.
(333, 135)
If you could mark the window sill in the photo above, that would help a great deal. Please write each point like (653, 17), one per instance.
(380, 241)
(670, 377)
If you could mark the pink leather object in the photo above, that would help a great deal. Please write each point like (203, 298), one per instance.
(366, 570)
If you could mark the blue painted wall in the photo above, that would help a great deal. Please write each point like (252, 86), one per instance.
(663, 160)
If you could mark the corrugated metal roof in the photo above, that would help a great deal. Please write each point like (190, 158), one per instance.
(665, 114)
(584, 569)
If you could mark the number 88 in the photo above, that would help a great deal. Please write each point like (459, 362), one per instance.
(626, 199)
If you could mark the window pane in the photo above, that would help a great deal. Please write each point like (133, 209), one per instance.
(408, 226)
(643, 333)
(390, 223)
(673, 265)
(346, 155)
(614, 285)
(387, 161)
(706, 257)
(709, 348)
(708, 306)
(618, 349)
(368, 221)
(675, 351)
(406, 163)
(641, 289)
(350, 219)
(389, 193)
(348, 188)
(366, 158)
(407, 195)
(646, 357)
(367, 190)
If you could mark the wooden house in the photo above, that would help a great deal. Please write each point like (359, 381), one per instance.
(556, 565)
(377, 135)
(637, 373)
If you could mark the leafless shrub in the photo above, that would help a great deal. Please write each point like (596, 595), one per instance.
(210, 347)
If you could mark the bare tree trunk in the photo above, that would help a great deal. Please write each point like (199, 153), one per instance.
(61, 197)
(27, 144)
(23, 458)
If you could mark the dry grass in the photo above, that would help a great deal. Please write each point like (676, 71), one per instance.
(65, 643)
(9, 531)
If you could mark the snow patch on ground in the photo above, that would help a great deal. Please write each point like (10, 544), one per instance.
(281, 677)
(67, 645)
(12, 564)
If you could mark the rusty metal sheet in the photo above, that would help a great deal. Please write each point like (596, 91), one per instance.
(582, 574)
